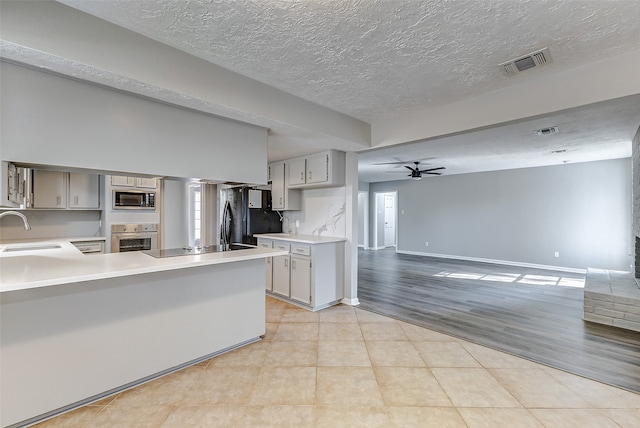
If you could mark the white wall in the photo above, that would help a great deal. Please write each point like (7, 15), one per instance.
(581, 210)
(53, 120)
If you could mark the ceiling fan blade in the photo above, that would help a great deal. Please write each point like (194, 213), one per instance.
(391, 163)
(433, 173)
(432, 169)
(409, 168)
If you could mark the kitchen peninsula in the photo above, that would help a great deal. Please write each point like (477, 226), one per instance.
(76, 328)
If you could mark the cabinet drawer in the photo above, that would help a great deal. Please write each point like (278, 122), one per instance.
(265, 244)
(303, 250)
(92, 247)
(282, 246)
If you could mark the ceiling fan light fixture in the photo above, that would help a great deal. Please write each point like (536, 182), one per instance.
(416, 177)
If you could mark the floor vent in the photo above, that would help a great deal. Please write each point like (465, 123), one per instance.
(534, 59)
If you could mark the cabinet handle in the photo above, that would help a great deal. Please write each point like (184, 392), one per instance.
(293, 265)
(301, 175)
(280, 201)
(58, 200)
(75, 200)
(310, 175)
(286, 263)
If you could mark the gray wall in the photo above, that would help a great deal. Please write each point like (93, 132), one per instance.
(175, 230)
(47, 224)
(53, 120)
(581, 210)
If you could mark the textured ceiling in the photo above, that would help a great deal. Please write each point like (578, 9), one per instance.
(371, 58)
(594, 132)
(376, 60)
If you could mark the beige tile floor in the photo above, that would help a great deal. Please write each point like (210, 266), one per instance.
(345, 367)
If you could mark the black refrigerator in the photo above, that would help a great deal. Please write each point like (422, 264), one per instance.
(245, 212)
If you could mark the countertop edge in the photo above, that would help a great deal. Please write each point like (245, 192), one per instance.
(303, 239)
(105, 270)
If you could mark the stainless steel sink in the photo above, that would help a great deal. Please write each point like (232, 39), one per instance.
(31, 247)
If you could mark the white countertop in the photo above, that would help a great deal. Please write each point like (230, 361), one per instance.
(21, 270)
(304, 239)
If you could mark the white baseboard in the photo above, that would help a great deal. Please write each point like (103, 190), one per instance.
(498, 262)
(350, 302)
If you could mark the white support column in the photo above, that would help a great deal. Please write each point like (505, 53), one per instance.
(351, 246)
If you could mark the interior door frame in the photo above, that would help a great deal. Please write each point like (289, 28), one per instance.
(365, 240)
(376, 238)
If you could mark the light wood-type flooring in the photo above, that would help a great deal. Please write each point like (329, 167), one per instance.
(347, 367)
(532, 313)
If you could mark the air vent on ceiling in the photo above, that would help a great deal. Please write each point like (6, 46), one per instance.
(534, 59)
(547, 131)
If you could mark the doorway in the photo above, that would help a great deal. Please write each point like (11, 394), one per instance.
(386, 225)
(363, 219)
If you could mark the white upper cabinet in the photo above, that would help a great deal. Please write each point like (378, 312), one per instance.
(147, 183)
(54, 189)
(318, 168)
(297, 171)
(282, 198)
(122, 181)
(49, 189)
(324, 169)
(139, 182)
(84, 190)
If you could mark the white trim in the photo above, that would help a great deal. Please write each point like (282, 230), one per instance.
(498, 262)
(350, 302)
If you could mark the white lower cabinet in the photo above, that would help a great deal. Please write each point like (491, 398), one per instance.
(269, 272)
(281, 279)
(301, 279)
(310, 276)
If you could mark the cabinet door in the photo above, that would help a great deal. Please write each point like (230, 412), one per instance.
(277, 186)
(269, 264)
(83, 191)
(301, 279)
(147, 183)
(281, 275)
(49, 189)
(122, 181)
(297, 171)
(318, 168)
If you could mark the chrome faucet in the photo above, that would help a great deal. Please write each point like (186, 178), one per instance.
(282, 218)
(27, 226)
